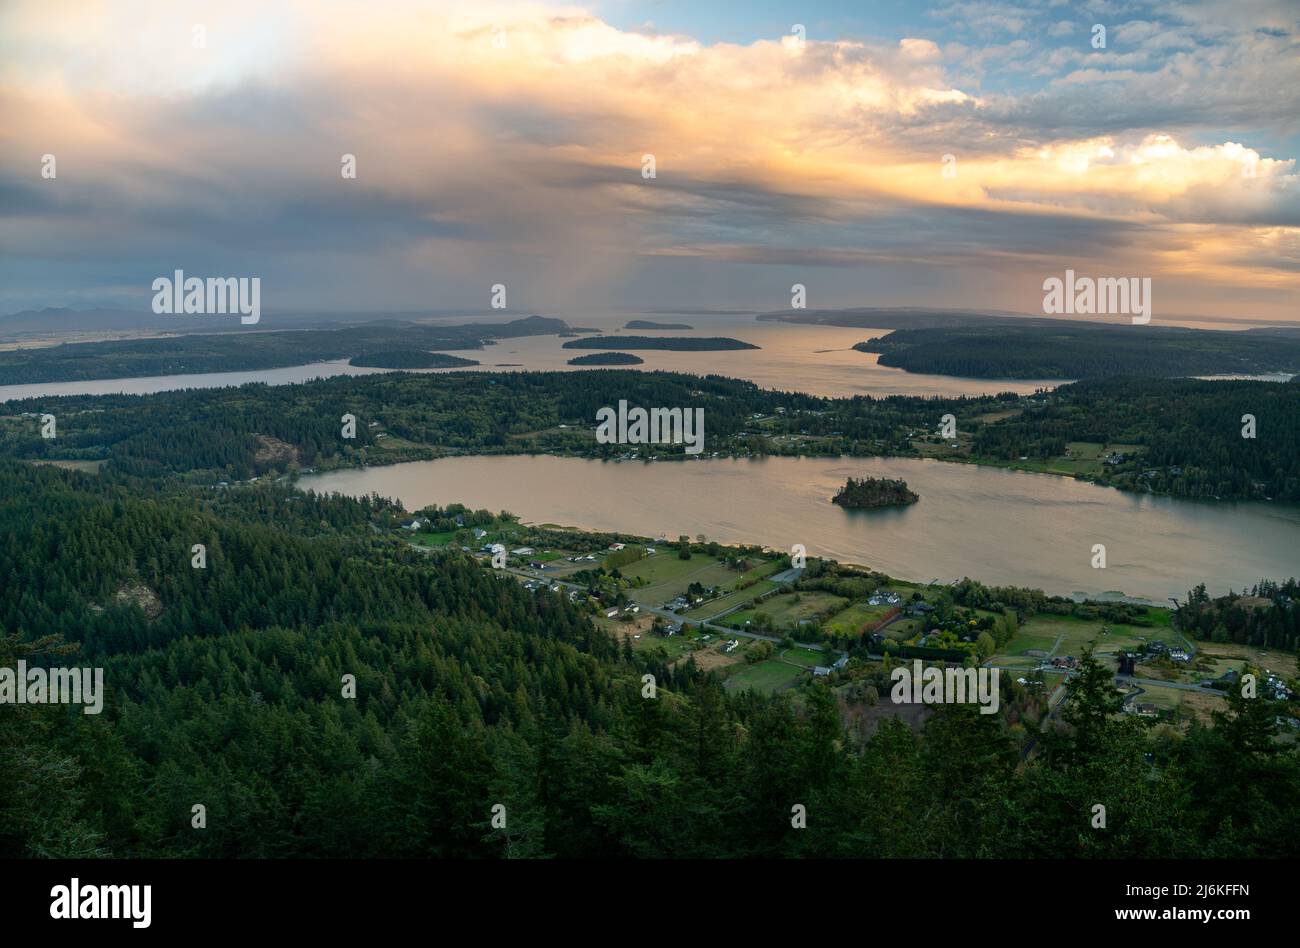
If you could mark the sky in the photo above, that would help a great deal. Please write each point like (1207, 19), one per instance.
(889, 153)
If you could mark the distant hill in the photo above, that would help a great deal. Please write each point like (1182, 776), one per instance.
(409, 359)
(896, 317)
(251, 351)
(607, 358)
(647, 324)
(1028, 349)
(675, 343)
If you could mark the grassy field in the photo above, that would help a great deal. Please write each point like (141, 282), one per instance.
(432, 539)
(715, 606)
(900, 630)
(1083, 457)
(637, 633)
(88, 467)
(769, 676)
(1271, 660)
(786, 612)
(669, 576)
(1193, 704)
(1068, 635)
(849, 621)
(807, 657)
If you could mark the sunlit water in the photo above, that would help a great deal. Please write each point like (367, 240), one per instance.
(1002, 527)
(818, 360)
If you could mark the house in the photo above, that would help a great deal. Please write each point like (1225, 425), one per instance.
(611, 613)
(820, 671)
(919, 608)
(650, 551)
(479, 534)
(412, 524)
(616, 546)
(841, 661)
(522, 551)
(495, 548)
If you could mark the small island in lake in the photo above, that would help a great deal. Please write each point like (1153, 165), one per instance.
(607, 358)
(675, 343)
(409, 359)
(648, 324)
(874, 492)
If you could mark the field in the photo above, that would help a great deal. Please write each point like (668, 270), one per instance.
(713, 607)
(786, 612)
(88, 467)
(850, 620)
(669, 647)
(1083, 457)
(767, 676)
(900, 630)
(1192, 704)
(807, 657)
(1271, 660)
(1051, 635)
(669, 576)
(432, 539)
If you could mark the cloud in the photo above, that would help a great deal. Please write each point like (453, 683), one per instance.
(503, 142)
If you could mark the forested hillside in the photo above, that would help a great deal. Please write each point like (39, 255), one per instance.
(226, 689)
(250, 351)
(1187, 434)
(1042, 349)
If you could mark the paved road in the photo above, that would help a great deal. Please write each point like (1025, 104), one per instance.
(1157, 683)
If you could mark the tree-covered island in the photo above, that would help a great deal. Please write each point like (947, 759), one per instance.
(867, 492)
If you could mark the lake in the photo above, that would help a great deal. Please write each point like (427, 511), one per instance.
(1001, 527)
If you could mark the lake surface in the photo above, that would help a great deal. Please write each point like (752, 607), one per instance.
(818, 360)
(1001, 527)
